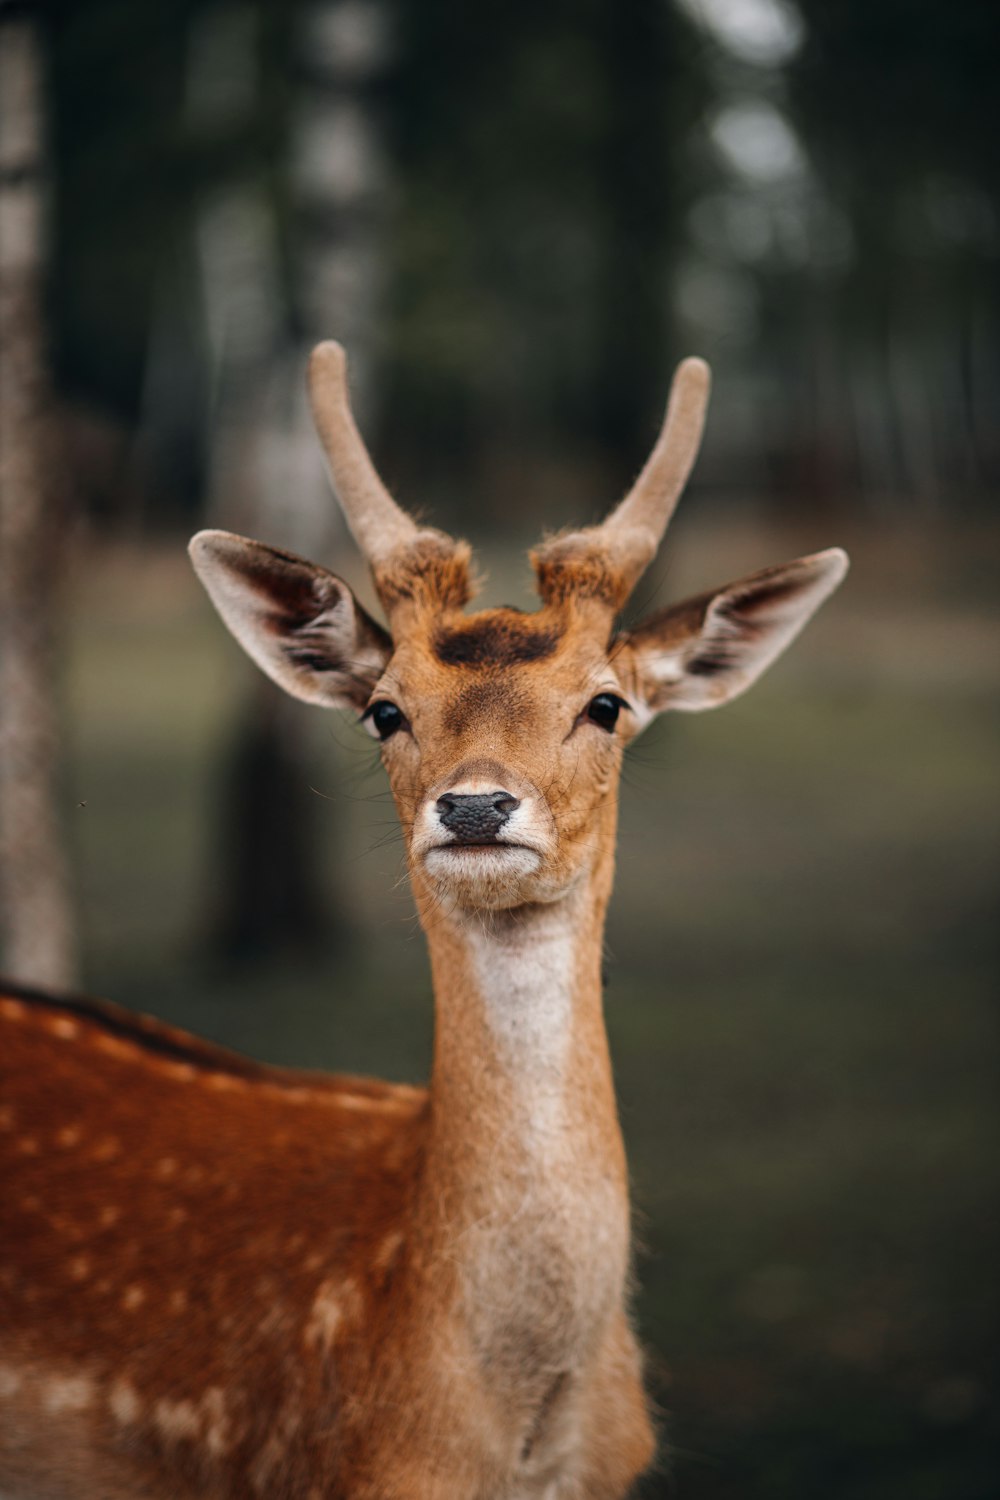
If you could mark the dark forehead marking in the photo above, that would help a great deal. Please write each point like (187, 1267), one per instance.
(502, 639)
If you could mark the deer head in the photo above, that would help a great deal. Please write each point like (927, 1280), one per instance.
(502, 733)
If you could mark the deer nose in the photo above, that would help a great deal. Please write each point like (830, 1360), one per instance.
(477, 818)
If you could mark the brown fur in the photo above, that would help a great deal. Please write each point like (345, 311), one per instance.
(161, 1237)
(435, 572)
(573, 567)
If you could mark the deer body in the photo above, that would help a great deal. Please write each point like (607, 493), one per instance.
(219, 1279)
(355, 1293)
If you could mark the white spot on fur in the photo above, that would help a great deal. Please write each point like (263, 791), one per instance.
(177, 1420)
(64, 1026)
(166, 1166)
(335, 1301)
(133, 1297)
(68, 1393)
(115, 1047)
(356, 1101)
(216, 1422)
(183, 1072)
(225, 1082)
(401, 1097)
(69, 1136)
(124, 1402)
(204, 1421)
(388, 1250)
(324, 1320)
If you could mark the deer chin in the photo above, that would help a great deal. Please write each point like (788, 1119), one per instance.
(494, 875)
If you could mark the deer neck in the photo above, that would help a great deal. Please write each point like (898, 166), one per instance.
(524, 1186)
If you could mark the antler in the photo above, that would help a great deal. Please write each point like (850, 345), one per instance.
(640, 520)
(408, 561)
(602, 561)
(610, 558)
(377, 523)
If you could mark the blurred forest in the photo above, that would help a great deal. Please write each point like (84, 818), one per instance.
(522, 215)
(517, 218)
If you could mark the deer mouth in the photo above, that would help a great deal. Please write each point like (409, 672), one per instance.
(480, 846)
(440, 856)
(483, 876)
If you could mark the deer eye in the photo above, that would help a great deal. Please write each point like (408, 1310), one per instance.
(384, 717)
(604, 710)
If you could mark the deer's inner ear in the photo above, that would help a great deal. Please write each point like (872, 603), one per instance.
(702, 653)
(299, 623)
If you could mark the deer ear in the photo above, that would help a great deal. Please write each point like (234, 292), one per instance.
(704, 652)
(299, 623)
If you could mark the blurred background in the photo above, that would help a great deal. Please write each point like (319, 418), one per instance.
(517, 218)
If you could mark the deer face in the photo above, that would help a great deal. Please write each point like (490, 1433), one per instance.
(502, 733)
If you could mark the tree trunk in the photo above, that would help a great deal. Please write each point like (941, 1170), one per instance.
(35, 907)
(268, 477)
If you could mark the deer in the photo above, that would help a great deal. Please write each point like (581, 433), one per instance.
(223, 1279)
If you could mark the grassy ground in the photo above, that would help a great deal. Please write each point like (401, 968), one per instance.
(801, 1001)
